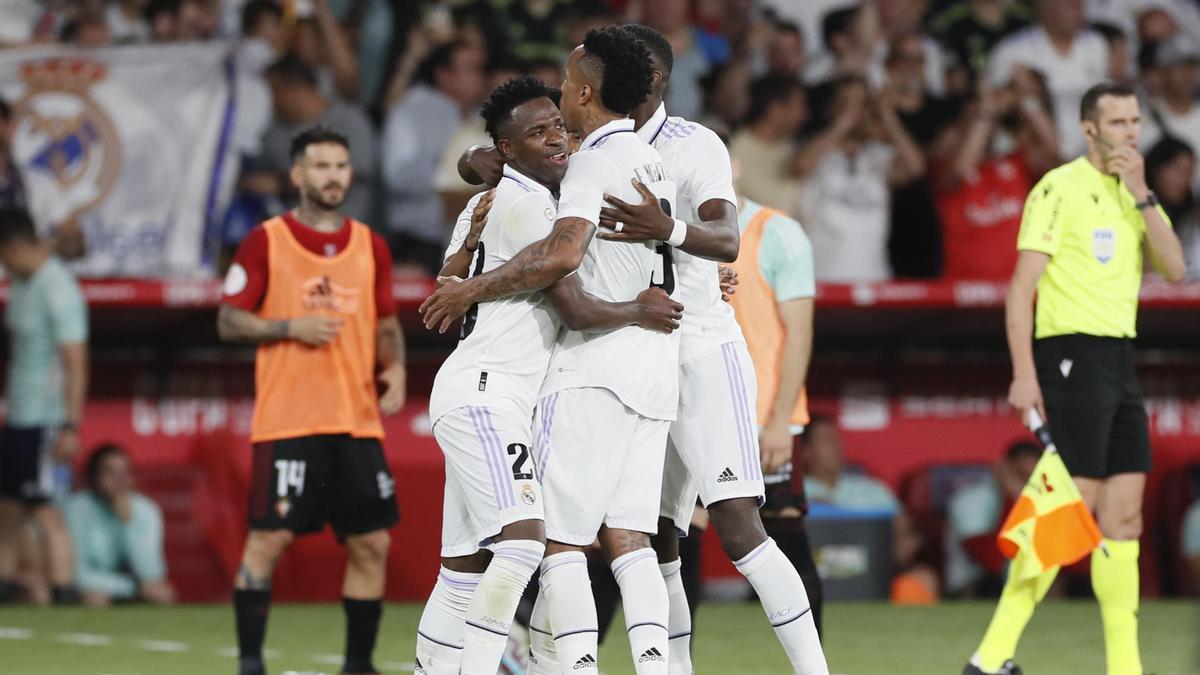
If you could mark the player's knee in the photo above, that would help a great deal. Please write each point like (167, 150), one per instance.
(529, 530)
(1121, 524)
(617, 543)
(666, 542)
(370, 548)
(268, 545)
(738, 526)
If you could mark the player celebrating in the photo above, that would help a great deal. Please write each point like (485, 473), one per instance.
(313, 288)
(608, 397)
(483, 397)
(714, 440)
(1086, 227)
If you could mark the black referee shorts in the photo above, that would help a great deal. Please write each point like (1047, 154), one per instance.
(1094, 404)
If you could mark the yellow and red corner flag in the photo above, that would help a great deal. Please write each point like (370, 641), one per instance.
(1049, 524)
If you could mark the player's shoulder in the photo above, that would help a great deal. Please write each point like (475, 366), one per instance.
(1062, 178)
(678, 128)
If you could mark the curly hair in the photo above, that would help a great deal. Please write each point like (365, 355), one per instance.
(656, 43)
(498, 107)
(622, 64)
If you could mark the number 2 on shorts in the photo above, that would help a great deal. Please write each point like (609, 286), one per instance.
(518, 468)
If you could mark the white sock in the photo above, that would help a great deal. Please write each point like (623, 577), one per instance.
(679, 626)
(543, 657)
(647, 609)
(572, 610)
(785, 601)
(440, 633)
(490, 614)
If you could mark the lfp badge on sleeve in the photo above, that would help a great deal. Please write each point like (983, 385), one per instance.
(1104, 244)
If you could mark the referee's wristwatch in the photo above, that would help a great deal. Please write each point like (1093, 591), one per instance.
(1150, 201)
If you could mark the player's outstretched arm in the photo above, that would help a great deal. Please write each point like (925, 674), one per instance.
(238, 325)
(458, 264)
(533, 268)
(715, 237)
(653, 309)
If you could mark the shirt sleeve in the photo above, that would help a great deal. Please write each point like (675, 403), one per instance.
(144, 540)
(582, 192)
(1042, 221)
(786, 260)
(529, 219)
(971, 512)
(68, 311)
(246, 280)
(462, 225)
(712, 174)
(385, 296)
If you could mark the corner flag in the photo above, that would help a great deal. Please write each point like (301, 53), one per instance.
(1049, 524)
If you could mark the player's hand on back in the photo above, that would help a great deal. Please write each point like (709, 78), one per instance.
(479, 219)
(657, 311)
(393, 378)
(314, 330)
(621, 221)
(775, 446)
(729, 280)
(448, 304)
(1024, 394)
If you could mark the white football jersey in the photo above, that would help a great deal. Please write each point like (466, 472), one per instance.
(639, 366)
(699, 163)
(505, 344)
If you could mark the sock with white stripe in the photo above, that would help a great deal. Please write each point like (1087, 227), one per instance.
(679, 626)
(647, 609)
(490, 614)
(440, 633)
(572, 609)
(785, 601)
(543, 657)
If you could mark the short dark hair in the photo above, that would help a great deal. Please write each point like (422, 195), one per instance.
(1091, 98)
(291, 70)
(255, 11)
(623, 65)
(768, 90)
(656, 43)
(156, 7)
(498, 107)
(92, 468)
(835, 23)
(781, 26)
(314, 136)
(442, 56)
(1164, 152)
(1023, 449)
(16, 225)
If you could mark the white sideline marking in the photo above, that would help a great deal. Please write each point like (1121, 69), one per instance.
(164, 646)
(232, 653)
(8, 633)
(328, 659)
(86, 639)
(399, 665)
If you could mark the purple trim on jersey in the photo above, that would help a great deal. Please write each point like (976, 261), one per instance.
(596, 143)
(518, 181)
(747, 414)
(659, 130)
(506, 493)
(488, 454)
(543, 459)
(752, 555)
(743, 433)
(679, 130)
(620, 567)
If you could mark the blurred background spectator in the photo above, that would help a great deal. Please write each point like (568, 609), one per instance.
(764, 148)
(1171, 172)
(118, 535)
(1191, 542)
(827, 479)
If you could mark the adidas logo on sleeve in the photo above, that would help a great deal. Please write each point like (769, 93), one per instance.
(727, 476)
(651, 654)
(588, 661)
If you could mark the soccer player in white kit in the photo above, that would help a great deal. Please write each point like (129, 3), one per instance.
(483, 397)
(714, 440)
(608, 397)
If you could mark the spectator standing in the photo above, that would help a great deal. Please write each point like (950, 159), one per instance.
(175, 20)
(118, 535)
(1170, 172)
(416, 133)
(785, 50)
(1071, 56)
(764, 148)
(46, 319)
(670, 17)
(849, 170)
(970, 29)
(127, 22)
(319, 41)
(1176, 112)
(299, 104)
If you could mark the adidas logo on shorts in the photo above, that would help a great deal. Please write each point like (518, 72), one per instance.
(588, 661)
(651, 654)
(726, 476)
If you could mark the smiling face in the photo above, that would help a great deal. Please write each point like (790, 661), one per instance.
(322, 175)
(535, 140)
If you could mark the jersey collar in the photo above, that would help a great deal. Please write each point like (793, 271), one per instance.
(524, 181)
(653, 126)
(619, 126)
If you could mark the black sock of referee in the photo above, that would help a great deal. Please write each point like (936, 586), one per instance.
(362, 625)
(251, 608)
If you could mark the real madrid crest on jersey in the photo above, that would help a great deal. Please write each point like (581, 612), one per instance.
(66, 142)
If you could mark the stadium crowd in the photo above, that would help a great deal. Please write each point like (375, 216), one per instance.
(904, 135)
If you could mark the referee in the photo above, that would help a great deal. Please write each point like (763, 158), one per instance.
(1085, 230)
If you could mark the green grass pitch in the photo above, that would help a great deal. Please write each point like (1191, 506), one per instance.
(861, 639)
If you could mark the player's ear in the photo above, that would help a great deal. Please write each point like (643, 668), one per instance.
(585, 94)
(296, 174)
(505, 148)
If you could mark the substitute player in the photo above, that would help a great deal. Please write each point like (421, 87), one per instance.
(313, 289)
(609, 396)
(715, 446)
(483, 397)
(1085, 230)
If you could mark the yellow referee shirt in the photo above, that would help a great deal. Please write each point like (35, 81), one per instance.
(1088, 224)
